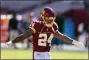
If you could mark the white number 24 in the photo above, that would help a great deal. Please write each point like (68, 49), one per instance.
(43, 42)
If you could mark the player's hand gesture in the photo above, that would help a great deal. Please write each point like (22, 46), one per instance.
(9, 44)
(78, 44)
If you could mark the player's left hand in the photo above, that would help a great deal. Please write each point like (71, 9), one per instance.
(9, 44)
(78, 44)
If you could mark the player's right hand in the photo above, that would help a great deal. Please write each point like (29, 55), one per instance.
(9, 44)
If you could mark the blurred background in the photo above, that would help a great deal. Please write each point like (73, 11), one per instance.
(71, 17)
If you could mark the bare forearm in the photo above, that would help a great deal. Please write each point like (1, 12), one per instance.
(67, 39)
(23, 36)
(63, 37)
(18, 39)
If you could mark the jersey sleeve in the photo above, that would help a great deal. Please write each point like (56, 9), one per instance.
(33, 26)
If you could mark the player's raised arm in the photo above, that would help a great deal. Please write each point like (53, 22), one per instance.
(67, 39)
(21, 37)
(63, 37)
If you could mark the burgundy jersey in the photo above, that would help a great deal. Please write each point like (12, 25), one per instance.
(42, 36)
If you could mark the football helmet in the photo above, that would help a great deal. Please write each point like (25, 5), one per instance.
(48, 16)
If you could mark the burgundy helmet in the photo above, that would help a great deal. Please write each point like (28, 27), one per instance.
(48, 16)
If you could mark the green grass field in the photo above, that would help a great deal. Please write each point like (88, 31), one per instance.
(27, 54)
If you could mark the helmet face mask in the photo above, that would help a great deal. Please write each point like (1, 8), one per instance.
(48, 18)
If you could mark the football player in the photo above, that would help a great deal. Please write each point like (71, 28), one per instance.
(43, 32)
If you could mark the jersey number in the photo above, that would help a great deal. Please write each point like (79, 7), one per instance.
(44, 41)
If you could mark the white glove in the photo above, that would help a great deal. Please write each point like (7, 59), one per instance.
(78, 44)
(9, 44)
